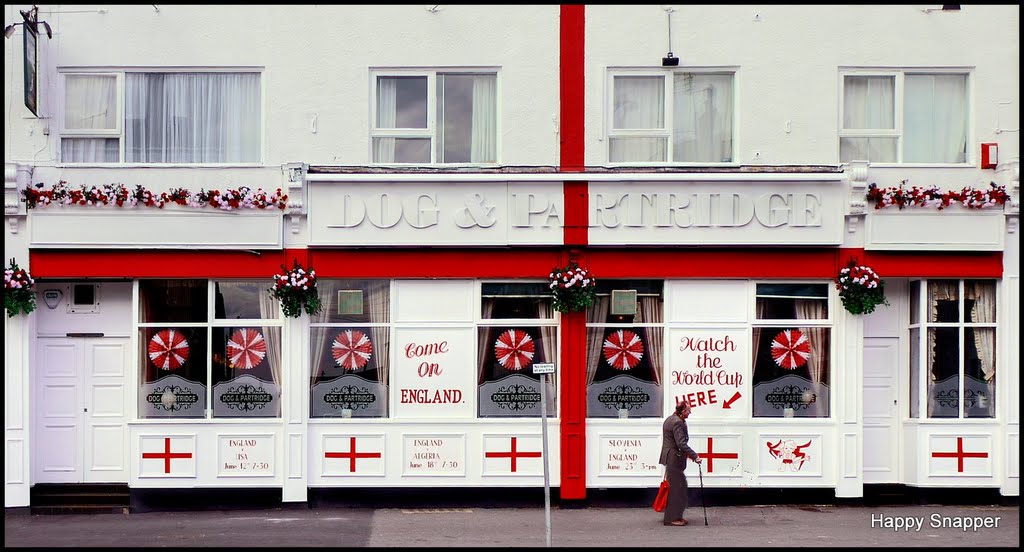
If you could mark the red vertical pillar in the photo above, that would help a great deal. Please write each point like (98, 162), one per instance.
(573, 370)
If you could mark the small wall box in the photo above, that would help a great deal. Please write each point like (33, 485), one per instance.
(989, 155)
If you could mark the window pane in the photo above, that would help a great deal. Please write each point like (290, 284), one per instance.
(350, 372)
(792, 301)
(401, 150)
(980, 372)
(792, 370)
(516, 300)
(624, 366)
(247, 372)
(249, 300)
(172, 301)
(702, 119)
(943, 301)
(877, 150)
(639, 103)
(935, 119)
(944, 373)
(980, 301)
(638, 150)
(90, 102)
(915, 302)
(466, 118)
(507, 385)
(402, 102)
(868, 103)
(90, 150)
(192, 117)
(915, 372)
(173, 379)
(365, 301)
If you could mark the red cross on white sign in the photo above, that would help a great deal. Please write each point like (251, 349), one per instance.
(960, 454)
(352, 455)
(513, 454)
(166, 455)
(710, 455)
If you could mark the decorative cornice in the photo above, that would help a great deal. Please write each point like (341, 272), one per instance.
(16, 179)
(1012, 207)
(295, 186)
(858, 178)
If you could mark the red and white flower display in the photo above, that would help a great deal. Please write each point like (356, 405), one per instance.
(246, 348)
(19, 290)
(860, 288)
(168, 349)
(623, 349)
(514, 349)
(296, 290)
(572, 288)
(933, 196)
(790, 349)
(351, 349)
(121, 196)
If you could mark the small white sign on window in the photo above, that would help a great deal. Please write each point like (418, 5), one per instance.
(544, 368)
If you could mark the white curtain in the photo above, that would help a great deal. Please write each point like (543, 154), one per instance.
(702, 118)
(650, 312)
(938, 291)
(90, 104)
(484, 135)
(483, 346)
(868, 104)
(935, 119)
(387, 117)
(272, 335)
(597, 313)
(984, 311)
(378, 303)
(817, 338)
(328, 292)
(192, 117)
(639, 104)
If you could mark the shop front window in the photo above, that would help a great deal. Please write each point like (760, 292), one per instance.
(350, 350)
(209, 344)
(517, 329)
(959, 329)
(792, 351)
(625, 350)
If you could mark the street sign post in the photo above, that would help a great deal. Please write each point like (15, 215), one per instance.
(544, 369)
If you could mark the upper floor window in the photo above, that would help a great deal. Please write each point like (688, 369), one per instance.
(904, 117)
(161, 118)
(435, 117)
(680, 117)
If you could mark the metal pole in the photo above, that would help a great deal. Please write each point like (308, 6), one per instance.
(544, 449)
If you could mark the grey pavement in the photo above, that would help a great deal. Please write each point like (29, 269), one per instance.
(728, 526)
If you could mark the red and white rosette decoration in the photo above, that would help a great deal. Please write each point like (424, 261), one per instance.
(514, 349)
(168, 349)
(246, 348)
(351, 349)
(790, 349)
(623, 349)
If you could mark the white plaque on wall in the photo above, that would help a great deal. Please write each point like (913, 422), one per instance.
(434, 455)
(246, 455)
(623, 454)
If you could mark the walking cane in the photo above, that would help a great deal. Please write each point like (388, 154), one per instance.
(700, 472)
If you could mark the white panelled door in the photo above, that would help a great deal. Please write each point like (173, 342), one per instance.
(80, 431)
(881, 414)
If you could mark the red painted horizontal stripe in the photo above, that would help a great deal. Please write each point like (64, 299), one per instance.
(524, 262)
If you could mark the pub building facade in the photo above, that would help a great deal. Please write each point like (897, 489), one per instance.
(435, 186)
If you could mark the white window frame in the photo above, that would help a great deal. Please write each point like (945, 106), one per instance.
(432, 128)
(899, 76)
(120, 73)
(609, 114)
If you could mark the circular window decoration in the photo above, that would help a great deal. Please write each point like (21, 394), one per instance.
(246, 349)
(514, 349)
(790, 349)
(351, 349)
(623, 349)
(168, 349)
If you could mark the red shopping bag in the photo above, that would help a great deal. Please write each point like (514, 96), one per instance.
(661, 501)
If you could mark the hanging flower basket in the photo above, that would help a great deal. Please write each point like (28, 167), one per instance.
(572, 288)
(860, 288)
(19, 294)
(296, 290)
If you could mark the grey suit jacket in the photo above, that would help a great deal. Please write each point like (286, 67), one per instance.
(675, 440)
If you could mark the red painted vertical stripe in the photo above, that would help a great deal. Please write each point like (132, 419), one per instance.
(573, 371)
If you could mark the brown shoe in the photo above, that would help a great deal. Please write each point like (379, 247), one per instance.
(677, 523)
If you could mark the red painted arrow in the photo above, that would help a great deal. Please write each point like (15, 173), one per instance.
(728, 403)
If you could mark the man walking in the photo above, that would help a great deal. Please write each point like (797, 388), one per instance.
(674, 452)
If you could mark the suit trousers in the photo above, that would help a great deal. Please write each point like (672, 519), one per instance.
(678, 492)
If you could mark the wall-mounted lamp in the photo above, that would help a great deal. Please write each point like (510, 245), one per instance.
(669, 60)
(31, 18)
